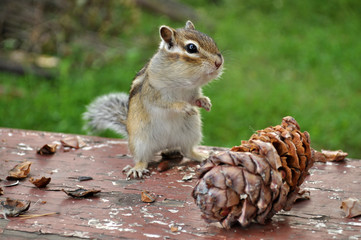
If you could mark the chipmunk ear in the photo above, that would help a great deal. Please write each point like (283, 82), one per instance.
(167, 35)
(189, 25)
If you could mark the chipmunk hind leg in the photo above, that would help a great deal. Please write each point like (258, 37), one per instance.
(142, 153)
(195, 155)
(139, 169)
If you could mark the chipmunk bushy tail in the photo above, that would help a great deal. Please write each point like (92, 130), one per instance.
(107, 112)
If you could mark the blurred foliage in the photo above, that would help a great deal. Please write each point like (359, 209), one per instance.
(299, 58)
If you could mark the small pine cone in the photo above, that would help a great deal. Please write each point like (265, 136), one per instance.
(257, 179)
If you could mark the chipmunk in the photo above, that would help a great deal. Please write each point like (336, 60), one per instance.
(161, 111)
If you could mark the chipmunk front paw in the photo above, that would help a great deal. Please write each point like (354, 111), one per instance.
(137, 172)
(204, 102)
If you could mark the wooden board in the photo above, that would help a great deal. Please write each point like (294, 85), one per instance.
(117, 212)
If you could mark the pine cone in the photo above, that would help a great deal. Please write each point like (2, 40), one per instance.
(257, 179)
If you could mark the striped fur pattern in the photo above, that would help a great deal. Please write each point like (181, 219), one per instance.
(161, 111)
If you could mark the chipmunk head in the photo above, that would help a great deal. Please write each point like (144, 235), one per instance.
(188, 55)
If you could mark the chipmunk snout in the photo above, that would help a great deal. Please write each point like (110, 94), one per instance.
(219, 61)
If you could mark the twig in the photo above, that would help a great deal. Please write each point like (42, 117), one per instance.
(37, 215)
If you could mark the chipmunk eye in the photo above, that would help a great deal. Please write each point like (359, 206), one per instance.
(191, 48)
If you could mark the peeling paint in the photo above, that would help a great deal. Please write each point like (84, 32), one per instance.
(19, 153)
(108, 224)
(173, 210)
(24, 147)
(159, 222)
(127, 214)
(77, 234)
(320, 225)
(334, 231)
(152, 235)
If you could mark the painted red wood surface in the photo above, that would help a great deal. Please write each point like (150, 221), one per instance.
(118, 212)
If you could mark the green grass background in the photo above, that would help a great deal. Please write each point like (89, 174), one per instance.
(298, 58)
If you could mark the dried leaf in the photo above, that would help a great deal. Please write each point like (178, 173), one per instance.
(148, 197)
(41, 182)
(1, 191)
(13, 207)
(351, 207)
(334, 156)
(47, 149)
(81, 193)
(73, 142)
(20, 171)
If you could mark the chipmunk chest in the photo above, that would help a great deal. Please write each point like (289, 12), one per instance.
(165, 116)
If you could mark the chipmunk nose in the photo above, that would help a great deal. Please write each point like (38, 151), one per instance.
(219, 61)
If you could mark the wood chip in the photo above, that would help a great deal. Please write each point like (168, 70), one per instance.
(47, 149)
(174, 228)
(351, 207)
(330, 156)
(41, 182)
(73, 142)
(20, 171)
(81, 193)
(148, 197)
(14, 207)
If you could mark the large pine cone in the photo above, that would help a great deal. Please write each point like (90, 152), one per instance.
(257, 179)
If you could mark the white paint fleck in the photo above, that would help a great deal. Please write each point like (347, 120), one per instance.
(104, 200)
(173, 210)
(320, 225)
(151, 235)
(87, 148)
(10, 134)
(126, 208)
(350, 166)
(126, 230)
(334, 231)
(354, 224)
(25, 147)
(159, 222)
(135, 225)
(113, 212)
(55, 170)
(19, 153)
(104, 224)
(127, 214)
(114, 183)
(79, 234)
(314, 182)
(36, 224)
